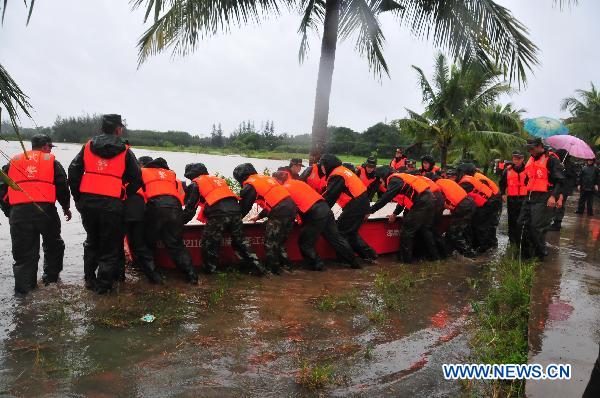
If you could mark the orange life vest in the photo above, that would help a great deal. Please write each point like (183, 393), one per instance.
(353, 184)
(515, 183)
(315, 181)
(363, 176)
(434, 169)
(302, 194)
(433, 187)
(103, 176)
(35, 175)
(268, 190)
(397, 164)
(453, 192)
(483, 178)
(417, 184)
(480, 193)
(161, 182)
(537, 174)
(212, 189)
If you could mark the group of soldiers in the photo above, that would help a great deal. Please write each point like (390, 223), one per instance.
(141, 199)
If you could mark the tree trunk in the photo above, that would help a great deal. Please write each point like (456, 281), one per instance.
(444, 154)
(326, 65)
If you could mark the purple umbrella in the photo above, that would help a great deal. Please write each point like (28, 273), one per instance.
(576, 147)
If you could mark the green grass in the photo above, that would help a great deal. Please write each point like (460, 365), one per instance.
(391, 290)
(259, 154)
(168, 306)
(501, 320)
(341, 302)
(225, 281)
(315, 376)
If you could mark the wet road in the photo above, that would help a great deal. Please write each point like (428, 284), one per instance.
(564, 325)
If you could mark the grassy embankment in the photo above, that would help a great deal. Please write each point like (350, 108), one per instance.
(501, 325)
(249, 153)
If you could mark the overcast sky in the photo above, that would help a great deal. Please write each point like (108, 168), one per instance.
(79, 57)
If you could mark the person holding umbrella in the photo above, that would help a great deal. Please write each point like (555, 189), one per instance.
(545, 177)
(578, 148)
(587, 184)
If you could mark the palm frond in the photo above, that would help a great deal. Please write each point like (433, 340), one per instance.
(312, 16)
(474, 29)
(362, 16)
(13, 100)
(496, 138)
(184, 23)
(29, 11)
(9, 181)
(426, 90)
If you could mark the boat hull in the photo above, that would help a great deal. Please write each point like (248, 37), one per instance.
(382, 236)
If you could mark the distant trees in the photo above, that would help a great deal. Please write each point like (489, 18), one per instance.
(380, 139)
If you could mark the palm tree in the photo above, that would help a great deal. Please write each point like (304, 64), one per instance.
(585, 114)
(478, 30)
(461, 110)
(485, 147)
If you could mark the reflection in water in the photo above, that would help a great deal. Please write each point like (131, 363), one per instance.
(565, 305)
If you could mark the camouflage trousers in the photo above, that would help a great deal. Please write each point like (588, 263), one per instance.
(213, 237)
(277, 230)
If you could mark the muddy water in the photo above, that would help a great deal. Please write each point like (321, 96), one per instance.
(381, 331)
(565, 321)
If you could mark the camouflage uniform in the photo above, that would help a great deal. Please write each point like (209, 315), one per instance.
(277, 230)
(213, 236)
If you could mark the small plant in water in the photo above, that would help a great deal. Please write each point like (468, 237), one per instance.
(345, 301)
(368, 353)
(316, 376)
(377, 316)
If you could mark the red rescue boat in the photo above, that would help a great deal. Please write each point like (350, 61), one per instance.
(382, 236)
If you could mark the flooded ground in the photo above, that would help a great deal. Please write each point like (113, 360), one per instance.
(565, 322)
(384, 330)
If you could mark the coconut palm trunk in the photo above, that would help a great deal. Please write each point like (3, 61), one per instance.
(324, 81)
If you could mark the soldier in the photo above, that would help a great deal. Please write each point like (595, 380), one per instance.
(513, 188)
(32, 212)
(135, 229)
(220, 211)
(438, 211)
(412, 196)
(277, 205)
(293, 170)
(428, 166)
(314, 177)
(462, 207)
(545, 176)
(480, 193)
(317, 219)
(399, 160)
(569, 185)
(348, 191)
(366, 173)
(164, 214)
(97, 176)
(486, 195)
(587, 184)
